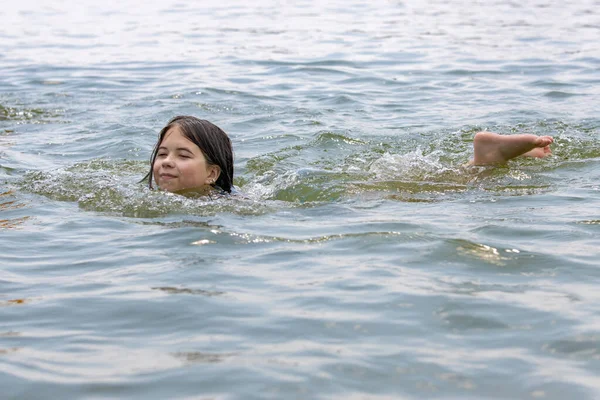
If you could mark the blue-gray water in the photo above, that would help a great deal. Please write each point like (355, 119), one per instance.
(365, 261)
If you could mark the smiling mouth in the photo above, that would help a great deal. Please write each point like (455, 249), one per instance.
(167, 176)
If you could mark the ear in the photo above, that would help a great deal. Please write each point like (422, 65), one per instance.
(214, 171)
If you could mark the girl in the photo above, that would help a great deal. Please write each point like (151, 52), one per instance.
(192, 156)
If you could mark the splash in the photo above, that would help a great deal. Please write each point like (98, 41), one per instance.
(114, 187)
(416, 166)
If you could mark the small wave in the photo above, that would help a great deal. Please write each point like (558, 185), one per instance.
(195, 357)
(113, 187)
(581, 346)
(175, 290)
(558, 94)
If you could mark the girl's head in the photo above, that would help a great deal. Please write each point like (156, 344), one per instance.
(190, 156)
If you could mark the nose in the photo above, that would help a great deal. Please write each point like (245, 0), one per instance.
(167, 161)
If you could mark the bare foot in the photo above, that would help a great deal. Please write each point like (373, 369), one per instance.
(539, 152)
(492, 148)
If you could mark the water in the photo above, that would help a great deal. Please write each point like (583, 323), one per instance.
(364, 261)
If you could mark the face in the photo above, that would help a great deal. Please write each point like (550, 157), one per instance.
(180, 166)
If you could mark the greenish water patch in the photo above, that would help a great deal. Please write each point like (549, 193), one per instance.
(434, 167)
(29, 115)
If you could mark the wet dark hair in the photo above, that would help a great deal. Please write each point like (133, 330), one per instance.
(212, 141)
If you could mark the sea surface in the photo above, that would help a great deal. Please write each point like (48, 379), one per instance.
(363, 261)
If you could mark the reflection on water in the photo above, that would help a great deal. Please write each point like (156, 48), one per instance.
(13, 302)
(484, 252)
(10, 205)
(197, 357)
(174, 290)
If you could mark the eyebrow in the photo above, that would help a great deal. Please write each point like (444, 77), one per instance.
(177, 149)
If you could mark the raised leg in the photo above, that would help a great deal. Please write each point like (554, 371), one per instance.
(492, 148)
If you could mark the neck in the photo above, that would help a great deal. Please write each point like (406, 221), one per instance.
(203, 190)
